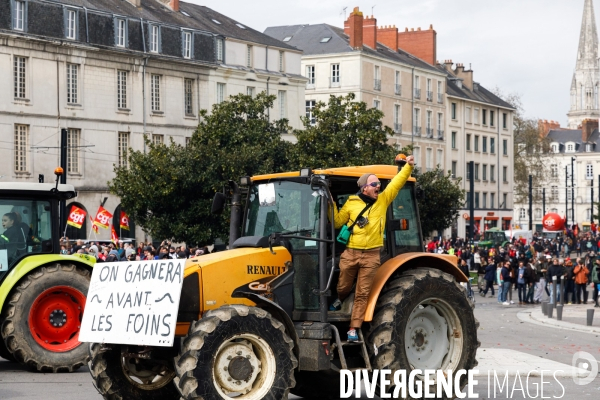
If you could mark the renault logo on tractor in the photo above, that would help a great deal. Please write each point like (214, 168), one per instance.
(265, 270)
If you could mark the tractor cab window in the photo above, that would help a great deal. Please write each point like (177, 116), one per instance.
(26, 229)
(405, 239)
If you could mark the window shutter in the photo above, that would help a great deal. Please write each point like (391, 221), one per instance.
(126, 28)
(116, 29)
(65, 21)
(159, 40)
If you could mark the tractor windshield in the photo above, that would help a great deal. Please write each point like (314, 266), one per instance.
(282, 206)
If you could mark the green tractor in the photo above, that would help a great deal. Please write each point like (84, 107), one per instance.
(42, 292)
(493, 237)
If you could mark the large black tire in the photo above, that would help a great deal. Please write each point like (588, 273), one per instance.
(121, 378)
(4, 353)
(236, 345)
(430, 295)
(16, 328)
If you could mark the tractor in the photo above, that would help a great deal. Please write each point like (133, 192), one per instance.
(493, 237)
(42, 292)
(254, 322)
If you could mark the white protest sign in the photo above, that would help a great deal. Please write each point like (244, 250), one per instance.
(3, 260)
(133, 303)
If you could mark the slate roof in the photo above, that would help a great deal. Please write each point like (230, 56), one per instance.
(308, 39)
(478, 94)
(200, 18)
(562, 136)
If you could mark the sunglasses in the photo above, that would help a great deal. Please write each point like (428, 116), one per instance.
(374, 184)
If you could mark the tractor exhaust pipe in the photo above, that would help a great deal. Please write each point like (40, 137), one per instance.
(236, 213)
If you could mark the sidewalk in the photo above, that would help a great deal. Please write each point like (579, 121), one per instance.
(501, 362)
(574, 318)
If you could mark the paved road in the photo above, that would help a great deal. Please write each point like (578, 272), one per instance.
(507, 341)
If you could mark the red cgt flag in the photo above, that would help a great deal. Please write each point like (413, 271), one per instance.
(113, 235)
(102, 218)
(124, 221)
(94, 227)
(76, 217)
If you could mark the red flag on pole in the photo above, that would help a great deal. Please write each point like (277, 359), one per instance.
(102, 218)
(94, 227)
(76, 217)
(113, 235)
(124, 221)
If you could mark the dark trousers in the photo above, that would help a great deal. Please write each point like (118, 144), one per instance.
(530, 291)
(488, 285)
(582, 288)
(570, 291)
(522, 289)
(596, 294)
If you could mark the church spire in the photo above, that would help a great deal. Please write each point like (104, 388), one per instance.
(587, 53)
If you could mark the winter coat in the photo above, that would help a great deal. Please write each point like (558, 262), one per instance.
(555, 270)
(581, 274)
(371, 236)
(490, 272)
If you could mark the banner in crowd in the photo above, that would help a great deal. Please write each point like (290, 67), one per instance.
(113, 235)
(124, 221)
(102, 218)
(76, 217)
(94, 227)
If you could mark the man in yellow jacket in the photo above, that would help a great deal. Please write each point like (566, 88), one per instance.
(362, 255)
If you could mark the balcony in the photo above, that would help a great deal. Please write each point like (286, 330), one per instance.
(440, 134)
(440, 98)
(334, 81)
(377, 84)
(398, 90)
(417, 93)
(429, 96)
(397, 127)
(416, 131)
(429, 132)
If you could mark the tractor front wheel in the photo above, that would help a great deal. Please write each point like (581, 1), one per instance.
(43, 318)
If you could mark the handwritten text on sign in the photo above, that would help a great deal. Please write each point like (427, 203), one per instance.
(133, 303)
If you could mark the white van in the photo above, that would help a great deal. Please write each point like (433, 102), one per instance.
(520, 233)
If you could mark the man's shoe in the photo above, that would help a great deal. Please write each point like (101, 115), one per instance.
(506, 303)
(569, 303)
(352, 335)
(512, 302)
(482, 294)
(336, 305)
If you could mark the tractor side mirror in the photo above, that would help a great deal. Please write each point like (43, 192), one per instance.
(218, 203)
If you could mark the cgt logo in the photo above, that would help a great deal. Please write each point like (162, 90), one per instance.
(587, 362)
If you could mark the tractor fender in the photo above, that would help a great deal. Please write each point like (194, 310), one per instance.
(444, 262)
(32, 262)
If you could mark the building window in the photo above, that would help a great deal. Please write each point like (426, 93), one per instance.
(505, 147)
(282, 104)
(398, 82)
(19, 15)
(310, 106)
(468, 174)
(476, 199)
(377, 80)
(429, 90)
(72, 73)
(588, 214)
(476, 143)
(187, 44)
(21, 148)
(123, 148)
(158, 139)
(417, 86)
(453, 140)
(484, 117)
(468, 140)
(476, 116)
(570, 148)
(155, 92)
(454, 169)
(476, 171)
(484, 144)
(504, 120)
(554, 170)
(417, 122)
(219, 49)
(417, 155)
(397, 119)
(467, 199)
(484, 200)
(429, 159)
(335, 75)
(281, 62)
(249, 56)
(440, 156)
(73, 140)
(554, 147)
(122, 89)
(484, 172)
(187, 141)
(429, 128)
(505, 200)
(491, 118)
(589, 171)
(154, 39)
(377, 104)
(250, 91)
(440, 92)
(310, 74)
(504, 174)
(588, 147)
(454, 111)
(493, 145)
(493, 173)
(522, 213)
(492, 195)
(468, 115)
(554, 193)
(121, 32)
(71, 24)
(189, 96)
(20, 77)
(220, 93)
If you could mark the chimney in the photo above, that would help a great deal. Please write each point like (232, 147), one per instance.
(587, 127)
(136, 3)
(355, 29)
(370, 32)
(172, 4)
(465, 75)
(545, 126)
(388, 35)
(420, 43)
(448, 66)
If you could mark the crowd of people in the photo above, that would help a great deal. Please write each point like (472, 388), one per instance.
(123, 251)
(529, 268)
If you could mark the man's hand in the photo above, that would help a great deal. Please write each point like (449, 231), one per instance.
(410, 160)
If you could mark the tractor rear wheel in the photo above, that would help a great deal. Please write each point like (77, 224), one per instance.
(43, 317)
(118, 373)
(423, 320)
(236, 351)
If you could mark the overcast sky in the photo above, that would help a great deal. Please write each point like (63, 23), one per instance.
(527, 47)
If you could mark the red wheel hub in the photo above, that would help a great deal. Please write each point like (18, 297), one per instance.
(55, 318)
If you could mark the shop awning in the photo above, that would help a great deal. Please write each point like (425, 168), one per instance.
(492, 218)
(507, 218)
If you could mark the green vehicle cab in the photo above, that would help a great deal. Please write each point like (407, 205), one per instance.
(42, 292)
(493, 237)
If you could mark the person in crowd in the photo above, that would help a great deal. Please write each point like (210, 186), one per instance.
(595, 278)
(569, 281)
(521, 282)
(505, 279)
(555, 271)
(490, 276)
(580, 279)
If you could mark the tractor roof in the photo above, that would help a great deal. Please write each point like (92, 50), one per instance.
(381, 171)
(15, 188)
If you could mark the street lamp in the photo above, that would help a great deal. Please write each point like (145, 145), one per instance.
(572, 190)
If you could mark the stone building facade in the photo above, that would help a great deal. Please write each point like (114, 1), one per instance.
(114, 70)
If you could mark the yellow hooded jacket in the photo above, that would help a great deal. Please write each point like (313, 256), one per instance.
(371, 236)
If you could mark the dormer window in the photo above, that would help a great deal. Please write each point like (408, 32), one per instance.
(570, 147)
(554, 147)
(71, 24)
(154, 39)
(19, 15)
(588, 147)
(120, 32)
(186, 40)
